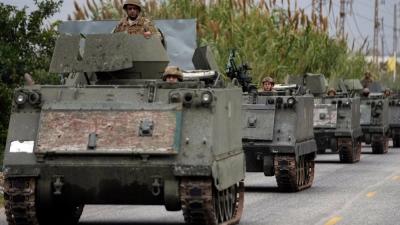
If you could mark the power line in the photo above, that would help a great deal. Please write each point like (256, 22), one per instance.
(351, 32)
(364, 17)
(359, 31)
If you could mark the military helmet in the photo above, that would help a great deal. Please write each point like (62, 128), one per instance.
(331, 89)
(132, 2)
(368, 71)
(174, 71)
(269, 80)
(366, 90)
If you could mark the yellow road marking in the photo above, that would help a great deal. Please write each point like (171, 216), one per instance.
(395, 177)
(333, 220)
(370, 194)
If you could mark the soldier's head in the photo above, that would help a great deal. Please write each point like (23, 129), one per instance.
(268, 83)
(132, 8)
(331, 92)
(367, 74)
(172, 74)
(366, 92)
(387, 92)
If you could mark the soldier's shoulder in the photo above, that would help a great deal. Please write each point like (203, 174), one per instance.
(122, 21)
(147, 20)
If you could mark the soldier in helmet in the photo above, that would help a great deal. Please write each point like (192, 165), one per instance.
(365, 92)
(387, 93)
(134, 23)
(172, 74)
(331, 92)
(268, 84)
(367, 77)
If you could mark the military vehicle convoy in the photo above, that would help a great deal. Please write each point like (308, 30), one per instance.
(337, 121)
(115, 133)
(278, 138)
(374, 119)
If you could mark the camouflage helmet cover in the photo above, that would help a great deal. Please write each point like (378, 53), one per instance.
(368, 72)
(331, 90)
(132, 2)
(268, 79)
(174, 71)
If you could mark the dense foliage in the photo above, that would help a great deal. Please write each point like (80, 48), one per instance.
(273, 40)
(26, 46)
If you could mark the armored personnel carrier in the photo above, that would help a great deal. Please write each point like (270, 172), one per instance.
(374, 119)
(337, 121)
(115, 133)
(394, 120)
(278, 138)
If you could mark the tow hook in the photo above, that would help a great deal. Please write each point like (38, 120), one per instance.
(58, 182)
(156, 186)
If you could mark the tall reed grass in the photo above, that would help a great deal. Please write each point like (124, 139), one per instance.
(275, 41)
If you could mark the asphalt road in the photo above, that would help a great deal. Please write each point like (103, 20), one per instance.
(363, 193)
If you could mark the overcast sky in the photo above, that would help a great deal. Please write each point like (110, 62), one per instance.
(359, 18)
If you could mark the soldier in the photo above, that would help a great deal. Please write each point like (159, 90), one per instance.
(172, 74)
(331, 92)
(134, 24)
(268, 84)
(365, 92)
(367, 77)
(387, 93)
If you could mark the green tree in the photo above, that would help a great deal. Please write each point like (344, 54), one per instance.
(26, 46)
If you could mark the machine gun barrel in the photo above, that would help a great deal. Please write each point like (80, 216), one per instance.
(239, 73)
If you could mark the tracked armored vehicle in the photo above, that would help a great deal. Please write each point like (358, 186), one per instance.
(337, 121)
(115, 133)
(278, 138)
(394, 120)
(374, 119)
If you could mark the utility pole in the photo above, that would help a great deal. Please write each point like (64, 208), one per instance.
(376, 26)
(343, 16)
(317, 10)
(383, 44)
(395, 42)
(395, 29)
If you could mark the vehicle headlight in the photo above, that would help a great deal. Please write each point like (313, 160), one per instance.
(380, 103)
(20, 98)
(206, 97)
(291, 101)
(188, 97)
(175, 98)
(34, 98)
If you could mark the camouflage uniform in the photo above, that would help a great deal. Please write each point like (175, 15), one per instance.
(140, 26)
(366, 79)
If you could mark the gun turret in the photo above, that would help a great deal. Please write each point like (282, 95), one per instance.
(239, 73)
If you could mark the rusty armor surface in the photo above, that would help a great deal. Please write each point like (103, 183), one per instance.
(118, 127)
(325, 115)
(139, 26)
